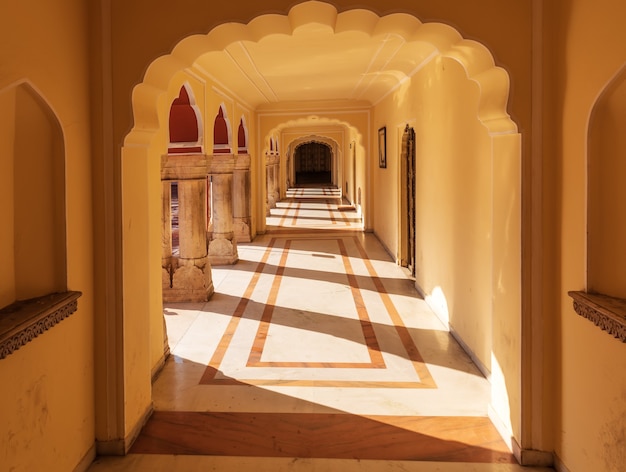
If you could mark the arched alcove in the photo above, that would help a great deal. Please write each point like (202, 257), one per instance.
(242, 137)
(185, 124)
(32, 178)
(606, 197)
(221, 133)
(603, 301)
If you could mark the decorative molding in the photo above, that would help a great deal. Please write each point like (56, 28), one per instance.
(24, 320)
(607, 313)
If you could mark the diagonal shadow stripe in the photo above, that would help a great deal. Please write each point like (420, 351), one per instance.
(426, 380)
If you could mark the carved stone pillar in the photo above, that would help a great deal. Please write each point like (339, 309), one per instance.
(272, 195)
(222, 244)
(190, 278)
(241, 199)
(276, 176)
(166, 233)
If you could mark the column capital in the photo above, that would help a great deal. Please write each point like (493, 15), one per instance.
(272, 159)
(242, 162)
(222, 164)
(185, 166)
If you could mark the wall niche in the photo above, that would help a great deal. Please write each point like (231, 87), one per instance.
(33, 275)
(604, 302)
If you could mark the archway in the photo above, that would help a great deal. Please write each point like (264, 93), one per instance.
(144, 145)
(312, 164)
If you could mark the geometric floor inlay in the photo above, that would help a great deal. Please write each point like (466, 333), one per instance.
(295, 343)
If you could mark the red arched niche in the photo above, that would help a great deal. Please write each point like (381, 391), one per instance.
(242, 142)
(221, 144)
(184, 126)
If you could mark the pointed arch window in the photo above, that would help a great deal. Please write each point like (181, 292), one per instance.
(242, 138)
(221, 142)
(185, 124)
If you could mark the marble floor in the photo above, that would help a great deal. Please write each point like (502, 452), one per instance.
(315, 353)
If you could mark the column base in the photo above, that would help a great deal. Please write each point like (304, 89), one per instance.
(187, 280)
(223, 251)
(175, 295)
(242, 230)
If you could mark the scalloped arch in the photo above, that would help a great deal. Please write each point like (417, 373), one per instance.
(446, 41)
(313, 138)
(312, 120)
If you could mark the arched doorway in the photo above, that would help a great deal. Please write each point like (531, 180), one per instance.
(313, 164)
(142, 151)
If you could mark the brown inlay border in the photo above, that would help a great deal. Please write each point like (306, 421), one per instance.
(376, 357)
(213, 376)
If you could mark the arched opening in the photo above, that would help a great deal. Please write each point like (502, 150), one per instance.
(313, 164)
(475, 65)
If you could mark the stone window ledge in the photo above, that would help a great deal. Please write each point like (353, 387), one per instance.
(608, 313)
(24, 320)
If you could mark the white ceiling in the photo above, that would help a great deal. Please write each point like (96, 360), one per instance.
(315, 63)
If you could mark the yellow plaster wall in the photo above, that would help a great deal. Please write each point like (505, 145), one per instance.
(453, 200)
(468, 218)
(591, 387)
(47, 395)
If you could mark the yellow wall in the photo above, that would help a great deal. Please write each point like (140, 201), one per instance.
(47, 395)
(47, 48)
(468, 217)
(591, 387)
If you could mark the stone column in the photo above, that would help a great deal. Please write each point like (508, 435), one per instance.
(241, 199)
(222, 244)
(276, 178)
(166, 234)
(187, 277)
(272, 197)
(192, 280)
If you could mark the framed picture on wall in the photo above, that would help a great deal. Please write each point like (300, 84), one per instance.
(382, 147)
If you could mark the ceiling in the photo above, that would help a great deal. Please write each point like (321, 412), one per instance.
(315, 63)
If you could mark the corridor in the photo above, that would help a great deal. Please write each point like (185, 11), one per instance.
(315, 353)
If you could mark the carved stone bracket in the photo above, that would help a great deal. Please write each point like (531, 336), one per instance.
(608, 313)
(24, 320)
